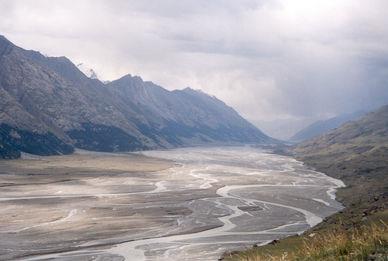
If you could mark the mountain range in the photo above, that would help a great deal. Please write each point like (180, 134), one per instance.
(48, 106)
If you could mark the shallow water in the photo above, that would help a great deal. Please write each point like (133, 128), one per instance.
(237, 197)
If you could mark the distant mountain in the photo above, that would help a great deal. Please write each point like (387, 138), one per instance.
(48, 106)
(323, 126)
(367, 135)
(282, 129)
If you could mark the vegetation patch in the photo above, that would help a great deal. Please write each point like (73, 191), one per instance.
(368, 242)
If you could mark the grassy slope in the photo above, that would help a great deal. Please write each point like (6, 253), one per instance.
(356, 153)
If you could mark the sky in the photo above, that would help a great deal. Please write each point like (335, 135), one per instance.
(281, 64)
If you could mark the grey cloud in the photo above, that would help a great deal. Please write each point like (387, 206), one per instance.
(182, 8)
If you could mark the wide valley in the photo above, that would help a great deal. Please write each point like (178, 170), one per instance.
(182, 204)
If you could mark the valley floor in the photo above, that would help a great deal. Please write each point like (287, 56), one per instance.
(184, 204)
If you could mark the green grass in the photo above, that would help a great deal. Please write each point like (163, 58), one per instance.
(368, 242)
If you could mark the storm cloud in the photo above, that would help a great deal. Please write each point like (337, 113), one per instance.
(281, 64)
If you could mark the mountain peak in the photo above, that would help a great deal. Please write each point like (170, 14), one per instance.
(130, 77)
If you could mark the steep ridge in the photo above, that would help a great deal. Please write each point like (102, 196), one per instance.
(49, 101)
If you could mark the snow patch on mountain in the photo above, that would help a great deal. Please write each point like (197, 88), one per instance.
(89, 72)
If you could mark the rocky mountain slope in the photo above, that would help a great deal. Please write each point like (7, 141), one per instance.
(320, 127)
(48, 106)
